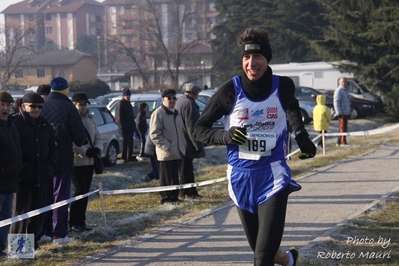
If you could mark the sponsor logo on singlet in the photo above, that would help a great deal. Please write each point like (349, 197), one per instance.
(242, 114)
(272, 112)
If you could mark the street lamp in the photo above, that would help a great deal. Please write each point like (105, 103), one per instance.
(203, 72)
(98, 57)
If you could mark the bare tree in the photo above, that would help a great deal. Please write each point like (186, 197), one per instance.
(164, 33)
(13, 52)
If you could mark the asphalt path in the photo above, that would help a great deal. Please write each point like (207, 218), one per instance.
(329, 197)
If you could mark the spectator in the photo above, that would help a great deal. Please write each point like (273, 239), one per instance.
(150, 152)
(321, 118)
(82, 174)
(189, 112)
(343, 109)
(125, 117)
(44, 90)
(17, 105)
(68, 127)
(10, 165)
(205, 87)
(38, 163)
(166, 131)
(142, 126)
(256, 105)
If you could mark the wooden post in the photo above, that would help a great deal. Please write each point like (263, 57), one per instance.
(100, 186)
(323, 141)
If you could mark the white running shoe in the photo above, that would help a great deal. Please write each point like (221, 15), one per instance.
(45, 238)
(63, 240)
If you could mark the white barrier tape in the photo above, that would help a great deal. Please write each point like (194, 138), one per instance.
(44, 209)
(364, 133)
(357, 133)
(163, 188)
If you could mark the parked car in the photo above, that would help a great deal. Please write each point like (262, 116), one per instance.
(360, 107)
(205, 95)
(110, 134)
(153, 101)
(106, 98)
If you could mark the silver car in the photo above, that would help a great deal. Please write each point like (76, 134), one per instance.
(110, 134)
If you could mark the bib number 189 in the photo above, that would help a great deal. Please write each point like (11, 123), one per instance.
(256, 145)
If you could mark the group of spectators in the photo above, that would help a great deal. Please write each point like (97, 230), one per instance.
(50, 141)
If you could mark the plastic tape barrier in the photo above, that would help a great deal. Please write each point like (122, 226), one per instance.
(44, 209)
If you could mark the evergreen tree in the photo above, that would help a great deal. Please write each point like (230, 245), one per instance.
(290, 24)
(365, 32)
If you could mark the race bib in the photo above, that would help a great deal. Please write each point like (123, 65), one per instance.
(258, 144)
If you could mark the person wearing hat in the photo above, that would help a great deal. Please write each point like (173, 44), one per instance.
(68, 127)
(82, 174)
(190, 113)
(166, 132)
(44, 90)
(10, 164)
(38, 149)
(126, 120)
(256, 105)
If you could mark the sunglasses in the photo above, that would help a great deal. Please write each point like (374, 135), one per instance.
(34, 106)
(171, 98)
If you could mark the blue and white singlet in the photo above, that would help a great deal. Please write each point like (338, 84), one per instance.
(257, 170)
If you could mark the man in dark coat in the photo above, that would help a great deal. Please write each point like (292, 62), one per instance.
(125, 117)
(189, 111)
(39, 159)
(68, 127)
(10, 165)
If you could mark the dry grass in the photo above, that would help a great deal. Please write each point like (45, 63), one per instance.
(130, 215)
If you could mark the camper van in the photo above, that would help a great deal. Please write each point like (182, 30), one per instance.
(322, 76)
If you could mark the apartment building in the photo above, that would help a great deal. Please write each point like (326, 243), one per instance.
(148, 30)
(53, 24)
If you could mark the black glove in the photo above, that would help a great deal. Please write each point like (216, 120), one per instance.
(308, 149)
(235, 135)
(92, 152)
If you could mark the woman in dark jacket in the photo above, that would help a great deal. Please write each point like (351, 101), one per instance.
(142, 126)
(38, 161)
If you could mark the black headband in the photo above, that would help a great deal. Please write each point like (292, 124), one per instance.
(256, 48)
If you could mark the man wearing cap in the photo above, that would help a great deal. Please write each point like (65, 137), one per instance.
(256, 105)
(189, 111)
(10, 165)
(38, 163)
(44, 90)
(126, 121)
(68, 128)
(166, 132)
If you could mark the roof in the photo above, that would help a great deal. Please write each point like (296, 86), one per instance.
(53, 58)
(116, 2)
(48, 6)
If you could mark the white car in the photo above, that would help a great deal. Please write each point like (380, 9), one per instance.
(153, 101)
(110, 134)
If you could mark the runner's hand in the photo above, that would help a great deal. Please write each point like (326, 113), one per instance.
(307, 147)
(236, 135)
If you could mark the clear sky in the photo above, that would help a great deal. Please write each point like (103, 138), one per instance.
(5, 3)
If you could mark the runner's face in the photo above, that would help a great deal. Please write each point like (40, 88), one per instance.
(254, 66)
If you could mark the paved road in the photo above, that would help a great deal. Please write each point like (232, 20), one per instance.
(329, 196)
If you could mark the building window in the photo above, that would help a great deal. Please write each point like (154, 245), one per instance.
(49, 30)
(48, 16)
(19, 73)
(31, 18)
(98, 18)
(41, 72)
(50, 44)
(122, 10)
(92, 18)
